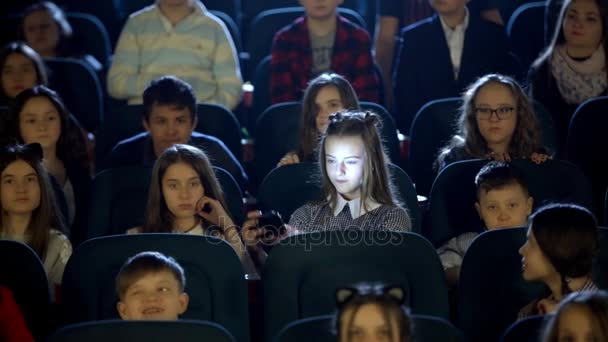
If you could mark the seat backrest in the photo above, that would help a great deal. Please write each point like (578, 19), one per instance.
(118, 330)
(261, 94)
(79, 88)
(288, 187)
(90, 36)
(232, 27)
(124, 122)
(276, 133)
(119, 197)
(587, 136)
(303, 271)
(526, 31)
(453, 194)
(388, 129)
(215, 279)
(322, 329)
(491, 290)
(267, 23)
(432, 128)
(528, 329)
(109, 12)
(24, 274)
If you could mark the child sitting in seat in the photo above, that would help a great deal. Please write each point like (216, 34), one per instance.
(562, 243)
(503, 201)
(373, 312)
(150, 286)
(582, 316)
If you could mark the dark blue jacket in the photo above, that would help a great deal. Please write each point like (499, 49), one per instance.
(423, 69)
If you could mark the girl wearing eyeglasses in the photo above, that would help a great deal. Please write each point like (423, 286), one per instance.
(497, 122)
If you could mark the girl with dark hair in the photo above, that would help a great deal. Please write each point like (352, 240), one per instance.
(581, 316)
(497, 121)
(29, 210)
(562, 243)
(21, 68)
(572, 69)
(357, 189)
(46, 29)
(186, 197)
(324, 96)
(373, 312)
(39, 115)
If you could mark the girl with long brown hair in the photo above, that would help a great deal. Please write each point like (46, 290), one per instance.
(186, 197)
(29, 210)
(497, 121)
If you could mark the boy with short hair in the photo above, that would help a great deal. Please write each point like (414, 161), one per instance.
(321, 41)
(169, 117)
(150, 286)
(503, 201)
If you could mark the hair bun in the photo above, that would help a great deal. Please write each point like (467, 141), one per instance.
(34, 149)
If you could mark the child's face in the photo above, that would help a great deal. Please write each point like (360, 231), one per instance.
(154, 296)
(575, 325)
(41, 32)
(39, 122)
(320, 9)
(182, 188)
(448, 7)
(368, 324)
(582, 24)
(19, 188)
(168, 126)
(345, 159)
(504, 207)
(499, 98)
(327, 102)
(18, 73)
(535, 265)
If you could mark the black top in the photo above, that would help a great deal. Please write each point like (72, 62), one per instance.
(138, 150)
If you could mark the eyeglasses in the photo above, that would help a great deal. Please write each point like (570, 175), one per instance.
(502, 113)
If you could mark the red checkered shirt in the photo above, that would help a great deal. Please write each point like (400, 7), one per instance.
(291, 65)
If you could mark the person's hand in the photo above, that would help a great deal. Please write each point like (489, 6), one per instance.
(251, 234)
(539, 158)
(289, 158)
(213, 212)
(504, 157)
(546, 306)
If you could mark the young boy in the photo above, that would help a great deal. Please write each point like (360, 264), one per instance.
(503, 201)
(440, 56)
(319, 42)
(169, 118)
(176, 37)
(150, 286)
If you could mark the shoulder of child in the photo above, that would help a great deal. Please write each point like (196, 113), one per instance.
(59, 247)
(134, 230)
(397, 218)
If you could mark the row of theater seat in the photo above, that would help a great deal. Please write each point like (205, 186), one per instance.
(298, 280)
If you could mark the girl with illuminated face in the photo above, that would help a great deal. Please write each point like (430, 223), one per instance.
(497, 121)
(580, 317)
(29, 211)
(562, 243)
(325, 95)
(186, 197)
(572, 69)
(358, 193)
